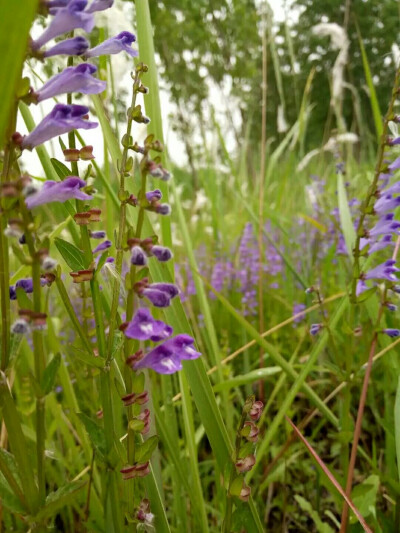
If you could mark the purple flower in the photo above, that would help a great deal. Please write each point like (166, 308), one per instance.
(162, 253)
(394, 142)
(97, 234)
(385, 224)
(386, 203)
(392, 332)
(163, 209)
(385, 271)
(361, 287)
(72, 80)
(58, 191)
(167, 357)
(99, 5)
(138, 257)
(25, 284)
(143, 327)
(160, 294)
(66, 19)
(114, 45)
(380, 245)
(154, 195)
(62, 119)
(102, 246)
(71, 47)
(393, 189)
(298, 308)
(315, 328)
(395, 165)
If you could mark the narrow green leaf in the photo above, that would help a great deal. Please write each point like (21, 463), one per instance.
(50, 373)
(95, 432)
(60, 498)
(346, 222)
(74, 258)
(15, 23)
(255, 375)
(371, 88)
(144, 452)
(62, 170)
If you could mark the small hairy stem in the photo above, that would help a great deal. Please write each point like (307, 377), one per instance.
(38, 350)
(9, 154)
(227, 523)
(122, 223)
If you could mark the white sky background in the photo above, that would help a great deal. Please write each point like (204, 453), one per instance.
(121, 64)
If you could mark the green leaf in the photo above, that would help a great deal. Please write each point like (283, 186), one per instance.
(23, 299)
(74, 258)
(236, 486)
(15, 23)
(95, 432)
(50, 373)
(60, 498)
(144, 452)
(366, 294)
(307, 508)
(91, 360)
(371, 88)
(364, 496)
(255, 375)
(346, 222)
(62, 170)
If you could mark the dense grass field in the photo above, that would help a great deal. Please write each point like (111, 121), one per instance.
(190, 348)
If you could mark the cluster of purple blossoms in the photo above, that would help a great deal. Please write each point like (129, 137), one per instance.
(165, 358)
(68, 15)
(380, 236)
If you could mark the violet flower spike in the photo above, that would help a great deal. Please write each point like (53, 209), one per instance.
(66, 19)
(144, 327)
(62, 119)
(58, 191)
(384, 271)
(114, 45)
(76, 46)
(77, 79)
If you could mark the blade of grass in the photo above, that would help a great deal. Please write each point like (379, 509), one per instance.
(371, 88)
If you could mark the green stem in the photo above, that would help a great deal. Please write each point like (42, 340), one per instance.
(227, 523)
(122, 222)
(39, 353)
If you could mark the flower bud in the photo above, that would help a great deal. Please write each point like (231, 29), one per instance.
(246, 463)
(256, 410)
(82, 275)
